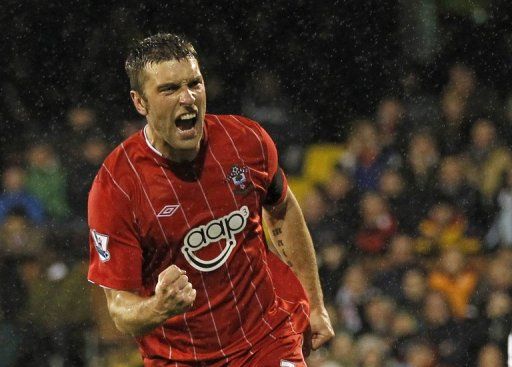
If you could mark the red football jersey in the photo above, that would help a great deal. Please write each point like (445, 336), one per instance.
(146, 213)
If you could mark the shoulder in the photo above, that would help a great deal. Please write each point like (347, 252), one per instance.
(117, 167)
(238, 128)
(233, 123)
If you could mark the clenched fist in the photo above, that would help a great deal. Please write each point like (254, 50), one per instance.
(174, 293)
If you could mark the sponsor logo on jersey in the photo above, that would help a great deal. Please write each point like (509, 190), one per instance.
(101, 245)
(238, 176)
(286, 363)
(224, 228)
(168, 210)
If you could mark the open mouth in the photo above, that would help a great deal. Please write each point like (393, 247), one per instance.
(187, 121)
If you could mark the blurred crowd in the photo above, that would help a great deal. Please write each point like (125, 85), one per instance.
(414, 231)
(49, 314)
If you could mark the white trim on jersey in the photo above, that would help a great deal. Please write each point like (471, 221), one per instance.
(227, 271)
(246, 255)
(161, 229)
(202, 278)
(256, 199)
(149, 143)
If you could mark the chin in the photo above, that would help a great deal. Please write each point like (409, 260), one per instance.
(187, 145)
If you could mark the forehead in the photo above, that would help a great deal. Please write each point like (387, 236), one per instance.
(171, 71)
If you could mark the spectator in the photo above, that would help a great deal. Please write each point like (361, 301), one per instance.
(20, 243)
(366, 157)
(391, 124)
(56, 287)
(451, 131)
(420, 105)
(47, 181)
(404, 328)
(448, 336)
(372, 351)
(19, 238)
(265, 101)
(378, 224)
(451, 186)
(81, 122)
(392, 187)
(500, 232)
(455, 280)
(343, 349)
(478, 99)
(419, 173)
(490, 355)
(463, 100)
(498, 317)
(486, 160)
(14, 195)
(496, 277)
(379, 314)
(444, 228)
(92, 153)
(420, 353)
(341, 197)
(398, 260)
(332, 260)
(414, 287)
(354, 293)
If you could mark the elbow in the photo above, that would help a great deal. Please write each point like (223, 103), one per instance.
(119, 323)
(123, 325)
(129, 328)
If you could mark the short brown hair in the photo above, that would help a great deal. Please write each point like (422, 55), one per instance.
(154, 49)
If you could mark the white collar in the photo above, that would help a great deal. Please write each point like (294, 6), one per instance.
(149, 143)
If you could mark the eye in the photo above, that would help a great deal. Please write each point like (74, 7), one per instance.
(169, 89)
(194, 83)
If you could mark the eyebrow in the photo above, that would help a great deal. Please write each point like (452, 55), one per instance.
(172, 85)
(161, 87)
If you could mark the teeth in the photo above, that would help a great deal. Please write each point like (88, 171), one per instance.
(188, 116)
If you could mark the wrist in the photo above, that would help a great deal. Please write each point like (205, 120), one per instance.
(158, 310)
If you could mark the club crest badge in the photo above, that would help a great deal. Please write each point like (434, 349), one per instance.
(238, 177)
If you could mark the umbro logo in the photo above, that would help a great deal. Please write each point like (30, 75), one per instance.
(168, 210)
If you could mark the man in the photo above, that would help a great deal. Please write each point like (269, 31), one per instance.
(176, 235)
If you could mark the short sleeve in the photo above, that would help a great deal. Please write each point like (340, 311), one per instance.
(277, 185)
(115, 252)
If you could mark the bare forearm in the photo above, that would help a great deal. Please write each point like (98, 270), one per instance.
(133, 314)
(136, 315)
(292, 240)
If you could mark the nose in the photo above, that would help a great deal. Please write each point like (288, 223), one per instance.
(187, 97)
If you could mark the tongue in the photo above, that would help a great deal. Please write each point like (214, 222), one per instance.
(185, 124)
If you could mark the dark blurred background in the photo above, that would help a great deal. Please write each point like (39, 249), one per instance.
(393, 119)
(333, 59)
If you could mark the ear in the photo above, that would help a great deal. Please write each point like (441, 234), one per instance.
(139, 102)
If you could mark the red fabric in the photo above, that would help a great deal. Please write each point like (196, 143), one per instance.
(243, 300)
(285, 351)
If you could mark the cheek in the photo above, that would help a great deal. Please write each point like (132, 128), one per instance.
(162, 111)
